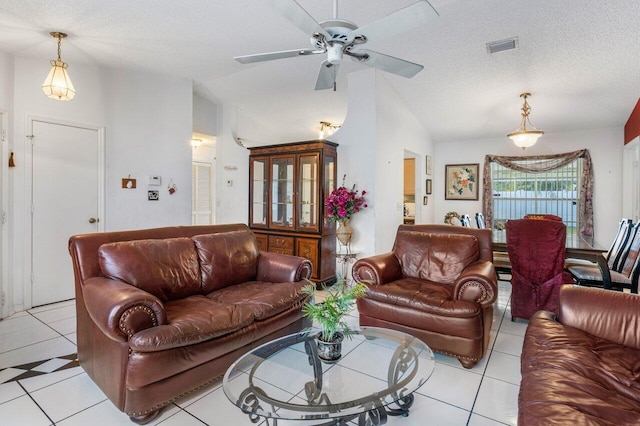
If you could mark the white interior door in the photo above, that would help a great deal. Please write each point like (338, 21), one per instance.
(4, 262)
(65, 194)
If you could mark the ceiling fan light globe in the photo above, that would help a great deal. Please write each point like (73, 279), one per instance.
(334, 53)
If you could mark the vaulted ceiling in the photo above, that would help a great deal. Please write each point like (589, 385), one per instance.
(580, 59)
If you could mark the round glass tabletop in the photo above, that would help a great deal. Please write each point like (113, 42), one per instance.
(376, 376)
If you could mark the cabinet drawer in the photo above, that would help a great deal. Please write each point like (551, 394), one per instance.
(277, 242)
(308, 248)
(281, 251)
(263, 242)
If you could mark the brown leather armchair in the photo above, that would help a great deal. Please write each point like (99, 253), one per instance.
(438, 283)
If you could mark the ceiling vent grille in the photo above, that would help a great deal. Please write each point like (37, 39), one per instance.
(502, 45)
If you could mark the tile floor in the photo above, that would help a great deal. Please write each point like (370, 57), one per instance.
(485, 395)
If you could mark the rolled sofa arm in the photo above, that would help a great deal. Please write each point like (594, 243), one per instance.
(119, 309)
(282, 268)
(379, 269)
(477, 283)
(607, 314)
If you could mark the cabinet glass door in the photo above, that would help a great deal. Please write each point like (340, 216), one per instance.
(329, 183)
(282, 192)
(308, 194)
(259, 191)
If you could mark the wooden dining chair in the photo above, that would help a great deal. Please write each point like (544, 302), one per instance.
(615, 252)
(628, 267)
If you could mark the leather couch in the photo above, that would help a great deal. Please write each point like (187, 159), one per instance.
(438, 283)
(163, 312)
(582, 366)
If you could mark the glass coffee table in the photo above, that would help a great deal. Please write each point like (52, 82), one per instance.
(375, 377)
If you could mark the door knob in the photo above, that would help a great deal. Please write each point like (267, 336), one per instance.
(93, 220)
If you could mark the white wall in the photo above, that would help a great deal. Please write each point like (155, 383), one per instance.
(205, 115)
(148, 124)
(376, 132)
(148, 134)
(604, 145)
(398, 131)
(231, 200)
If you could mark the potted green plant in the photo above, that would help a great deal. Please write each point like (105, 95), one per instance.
(329, 315)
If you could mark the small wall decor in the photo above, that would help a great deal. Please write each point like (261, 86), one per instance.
(461, 182)
(428, 187)
(153, 195)
(128, 183)
(155, 180)
(172, 187)
(425, 200)
(428, 165)
(11, 161)
(452, 218)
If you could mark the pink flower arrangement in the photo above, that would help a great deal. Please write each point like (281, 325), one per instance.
(343, 203)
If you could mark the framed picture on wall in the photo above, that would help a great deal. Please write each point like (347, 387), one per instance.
(428, 187)
(461, 182)
(428, 166)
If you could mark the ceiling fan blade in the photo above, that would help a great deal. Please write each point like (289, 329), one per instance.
(387, 63)
(327, 75)
(291, 10)
(260, 57)
(403, 20)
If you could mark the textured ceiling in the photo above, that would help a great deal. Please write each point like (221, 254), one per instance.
(579, 58)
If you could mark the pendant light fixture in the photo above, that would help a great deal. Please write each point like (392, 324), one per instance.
(58, 85)
(524, 137)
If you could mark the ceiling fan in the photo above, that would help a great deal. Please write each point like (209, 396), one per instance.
(338, 37)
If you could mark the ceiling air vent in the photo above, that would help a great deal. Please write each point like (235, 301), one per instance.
(501, 45)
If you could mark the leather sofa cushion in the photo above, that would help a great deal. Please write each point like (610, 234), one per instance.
(264, 299)
(435, 257)
(167, 268)
(423, 296)
(573, 377)
(189, 321)
(227, 258)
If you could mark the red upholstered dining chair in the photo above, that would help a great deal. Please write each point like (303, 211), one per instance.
(537, 252)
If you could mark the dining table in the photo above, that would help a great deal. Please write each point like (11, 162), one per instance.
(576, 248)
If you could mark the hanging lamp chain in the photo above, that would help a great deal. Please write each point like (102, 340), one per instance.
(59, 47)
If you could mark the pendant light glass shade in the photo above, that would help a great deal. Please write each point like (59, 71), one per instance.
(58, 85)
(524, 137)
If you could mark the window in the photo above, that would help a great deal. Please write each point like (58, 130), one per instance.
(516, 193)
(201, 196)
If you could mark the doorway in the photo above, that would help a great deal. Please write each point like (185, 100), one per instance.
(409, 191)
(67, 192)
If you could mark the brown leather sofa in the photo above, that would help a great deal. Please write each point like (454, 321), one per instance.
(163, 312)
(438, 283)
(582, 367)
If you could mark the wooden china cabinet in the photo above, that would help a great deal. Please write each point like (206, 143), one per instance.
(288, 185)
